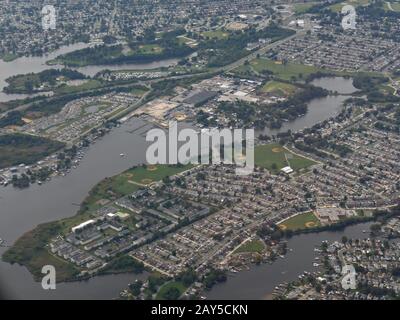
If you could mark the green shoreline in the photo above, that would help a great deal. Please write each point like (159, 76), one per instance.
(8, 57)
(31, 251)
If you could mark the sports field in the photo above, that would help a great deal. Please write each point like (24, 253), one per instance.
(301, 221)
(274, 157)
(128, 182)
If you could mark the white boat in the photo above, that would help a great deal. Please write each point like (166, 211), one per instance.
(122, 155)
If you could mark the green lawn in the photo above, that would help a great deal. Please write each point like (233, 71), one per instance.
(128, 182)
(272, 157)
(395, 6)
(162, 292)
(251, 246)
(338, 6)
(278, 88)
(8, 57)
(149, 49)
(148, 174)
(300, 8)
(88, 85)
(29, 250)
(139, 92)
(216, 34)
(283, 71)
(301, 221)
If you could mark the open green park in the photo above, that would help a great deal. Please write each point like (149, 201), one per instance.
(171, 291)
(251, 246)
(279, 88)
(300, 221)
(337, 7)
(216, 34)
(391, 6)
(128, 182)
(274, 157)
(283, 70)
(300, 8)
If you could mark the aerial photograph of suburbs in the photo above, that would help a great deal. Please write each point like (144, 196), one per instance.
(188, 151)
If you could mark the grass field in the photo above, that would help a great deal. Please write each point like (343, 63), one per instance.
(8, 57)
(338, 6)
(301, 221)
(161, 294)
(272, 157)
(149, 49)
(129, 182)
(88, 85)
(30, 251)
(300, 8)
(139, 92)
(278, 88)
(251, 246)
(395, 6)
(286, 71)
(216, 34)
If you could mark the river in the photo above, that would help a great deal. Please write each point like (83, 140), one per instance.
(22, 210)
(320, 109)
(260, 280)
(26, 65)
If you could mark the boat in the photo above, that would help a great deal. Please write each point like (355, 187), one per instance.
(122, 155)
